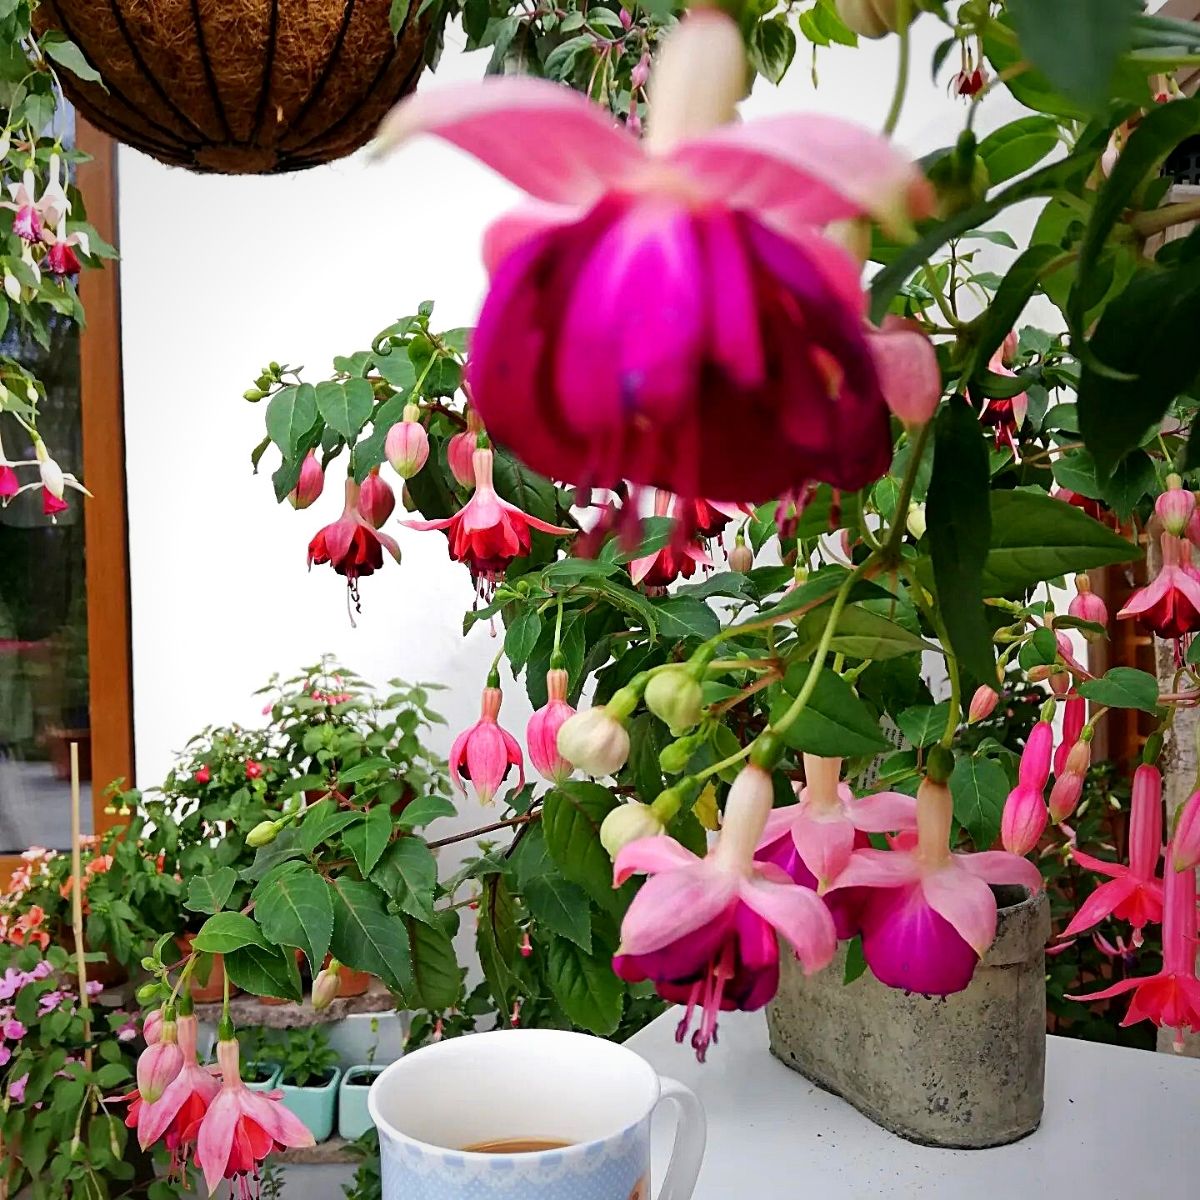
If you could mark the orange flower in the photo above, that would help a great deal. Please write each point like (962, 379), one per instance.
(25, 931)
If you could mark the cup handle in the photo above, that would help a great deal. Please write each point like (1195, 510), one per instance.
(690, 1135)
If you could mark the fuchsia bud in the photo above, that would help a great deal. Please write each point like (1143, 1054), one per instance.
(1175, 507)
(1087, 606)
(407, 444)
(1035, 758)
(1145, 822)
(595, 741)
(460, 453)
(159, 1064)
(326, 986)
(627, 823)
(1024, 819)
(1186, 843)
(1074, 716)
(675, 697)
(640, 75)
(310, 485)
(541, 734)
(741, 559)
(626, 18)
(376, 500)
(983, 704)
(1068, 786)
(152, 1027)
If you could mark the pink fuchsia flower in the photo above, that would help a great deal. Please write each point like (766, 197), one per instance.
(1087, 606)
(929, 914)
(488, 533)
(61, 259)
(310, 485)
(350, 545)
(1175, 507)
(1171, 998)
(669, 312)
(485, 753)
(1170, 604)
(678, 559)
(407, 444)
(706, 931)
(907, 365)
(27, 220)
(1186, 842)
(376, 500)
(242, 1127)
(175, 1117)
(983, 704)
(1133, 893)
(11, 982)
(460, 450)
(541, 734)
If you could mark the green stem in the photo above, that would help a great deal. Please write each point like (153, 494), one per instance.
(899, 521)
(904, 20)
(558, 624)
(939, 299)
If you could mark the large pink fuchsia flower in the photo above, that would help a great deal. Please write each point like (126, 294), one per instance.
(1170, 603)
(1133, 893)
(488, 533)
(930, 914)
(669, 312)
(706, 930)
(350, 545)
(679, 558)
(813, 840)
(541, 734)
(485, 753)
(242, 1127)
(1171, 998)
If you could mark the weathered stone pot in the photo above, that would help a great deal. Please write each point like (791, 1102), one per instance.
(964, 1071)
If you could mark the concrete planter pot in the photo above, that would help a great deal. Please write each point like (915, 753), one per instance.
(964, 1071)
(353, 1118)
(314, 1105)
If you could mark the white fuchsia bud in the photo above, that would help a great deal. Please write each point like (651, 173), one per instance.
(916, 523)
(675, 697)
(326, 986)
(1175, 507)
(376, 500)
(629, 823)
(407, 444)
(310, 485)
(595, 741)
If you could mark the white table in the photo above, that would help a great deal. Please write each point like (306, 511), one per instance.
(1119, 1125)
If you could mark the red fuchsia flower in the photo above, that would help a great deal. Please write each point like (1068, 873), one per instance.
(61, 259)
(407, 444)
(242, 1127)
(929, 914)
(1186, 842)
(1094, 508)
(1170, 604)
(678, 559)
(376, 500)
(706, 931)
(54, 481)
(983, 704)
(1069, 778)
(310, 485)
(350, 545)
(669, 312)
(907, 366)
(541, 734)
(1171, 998)
(488, 533)
(813, 840)
(1175, 507)
(1024, 819)
(203, 775)
(1133, 893)
(1087, 606)
(485, 753)
(254, 769)
(706, 518)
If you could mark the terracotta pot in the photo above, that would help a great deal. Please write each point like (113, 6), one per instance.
(109, 972)
(253, 87)
(214, 989)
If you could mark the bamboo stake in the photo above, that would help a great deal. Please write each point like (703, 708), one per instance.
(77, 904)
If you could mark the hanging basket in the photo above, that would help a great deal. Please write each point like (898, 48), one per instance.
(240, 86)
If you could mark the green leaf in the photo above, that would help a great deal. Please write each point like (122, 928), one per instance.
(1123, 687)
(208, 893)
(1036, 537)
(323, 821)
(496, 939)
(1017, 147)
(345, 406)
(521, 638)
(298, 911)
(560, 62)
(863, 634)
(423, 810)
(856, 963)
(561, 908)
(365, 769)
(398, 15)
(1040, 651)
(1076, 44)
(772, 48)
(924, 724)
(366, 937)
(959, 525)
(979, 787)
(265, 971)
(835, 724)
(571, 820)
(437, 979)
(64, 52)
(226, 932)
(587, 988)
(369, 838)
(685, 617)
(408, 874)
(291, 414)
(819, 589)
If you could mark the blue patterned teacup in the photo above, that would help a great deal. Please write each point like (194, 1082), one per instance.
(593, 1100)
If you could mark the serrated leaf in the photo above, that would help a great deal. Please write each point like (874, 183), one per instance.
(208, 893)
(979, 788)
(923, 724)
(366, 937)
(423, 810)
(368, 839)
(521, 637)
(407, 874)
(571, 820)
(265, 971)
(298, 912)
(226, 932)
(437, 979)
(863, 634)
(323, 821)
(1018, 147)
(684, 617)
(345, 407)
(835, 723)
(590, 993)
(291, 414)
(561, 908)
(1123, 687)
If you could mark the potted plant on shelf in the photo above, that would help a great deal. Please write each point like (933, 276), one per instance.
(308, 1077)
(353, 1118)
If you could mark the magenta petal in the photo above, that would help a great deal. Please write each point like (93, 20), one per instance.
(798, 914)
(512, 230)
(672, 905)
(733, 311)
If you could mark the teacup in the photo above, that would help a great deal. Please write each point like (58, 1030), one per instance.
(592, 1099)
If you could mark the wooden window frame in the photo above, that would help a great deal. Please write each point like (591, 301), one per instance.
(106, 529)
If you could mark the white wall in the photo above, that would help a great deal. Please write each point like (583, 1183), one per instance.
(222, 275)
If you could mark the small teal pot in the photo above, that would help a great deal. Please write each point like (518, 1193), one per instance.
(261, 1085)
(353, 1118)
(314, 1105)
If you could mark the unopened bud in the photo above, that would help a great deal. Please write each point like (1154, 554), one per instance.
(628, 823)
(916, 524)
(263, 834)
(1024, 820)
(158, 1065)
(871, 18)
(742, 557)
(407, 444)
(376, 500)
(310, 485)
(326, 986)
(1185, 845)
(983, 704)
(675, 697)
(1087, 606)
(595, 741)
(254, 395)
(1175, 506)
(675, 756)
(1068, 787)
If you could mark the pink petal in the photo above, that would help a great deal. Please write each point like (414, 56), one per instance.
(545, 138)
(458, 757)
(444, 523)
(883, 812)
(1117, 989)
(639, 568)
(515, 757)
(778, 824)
(280, 1122)
(798, 914)
(806, 170)
(508, 232)
(1099, 865)
(824, 846)
(998, 866)
(1100, 904)
(674, 904)
(389, 544)
(878, 868)
(215, 1139)
(487, 759)
(650, 856)
(966, 902)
